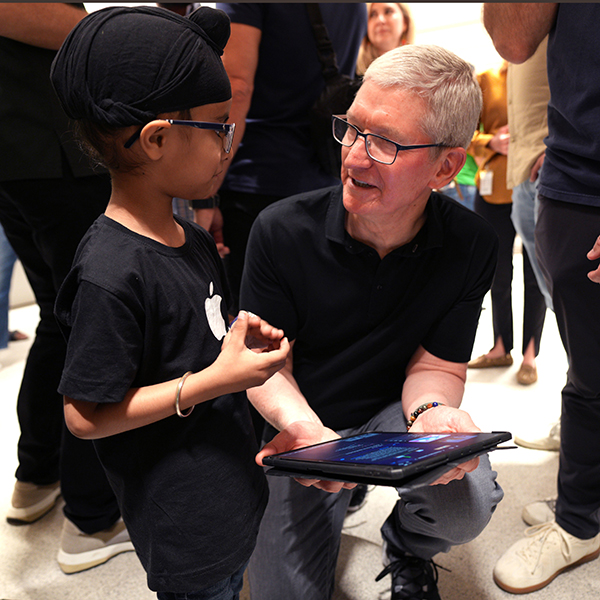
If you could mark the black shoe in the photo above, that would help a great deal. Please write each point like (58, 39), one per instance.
(412, 578)
(359, 498)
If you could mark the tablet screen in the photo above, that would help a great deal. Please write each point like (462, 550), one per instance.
(397, 450)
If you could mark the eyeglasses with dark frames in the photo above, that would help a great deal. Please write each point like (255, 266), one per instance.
(379, 148)
(228, 129)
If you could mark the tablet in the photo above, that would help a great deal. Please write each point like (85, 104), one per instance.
(383, 458)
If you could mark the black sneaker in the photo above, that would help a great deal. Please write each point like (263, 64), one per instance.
(359, 498)
(412, 578)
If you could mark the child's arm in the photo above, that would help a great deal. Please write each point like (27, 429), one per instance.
(237, 368)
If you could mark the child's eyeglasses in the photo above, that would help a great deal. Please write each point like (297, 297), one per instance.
(224, 130)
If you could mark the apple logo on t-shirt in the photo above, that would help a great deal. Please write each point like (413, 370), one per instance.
(212, 305)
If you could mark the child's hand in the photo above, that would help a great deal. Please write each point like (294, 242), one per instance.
(261, 336)
(244, 367)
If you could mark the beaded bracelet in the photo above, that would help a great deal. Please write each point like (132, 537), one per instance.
(420, 411)
(178, 395)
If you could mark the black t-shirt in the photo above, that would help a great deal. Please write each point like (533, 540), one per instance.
(276, 156)
(571, 171)
(356, 319)
(137, 313)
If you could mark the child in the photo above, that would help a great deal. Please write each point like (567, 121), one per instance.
(143, 308)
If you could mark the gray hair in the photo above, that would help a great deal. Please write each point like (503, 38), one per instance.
(443, 80)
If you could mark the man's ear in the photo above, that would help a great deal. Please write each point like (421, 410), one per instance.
(153, 138)
(451, 162)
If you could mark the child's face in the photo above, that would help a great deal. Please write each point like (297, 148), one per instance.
(198, 158)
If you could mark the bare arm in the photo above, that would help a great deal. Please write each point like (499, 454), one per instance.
(280, 400)
(236, 368)
(45, 25)
(283, 405)
(431, 379)
(240, 60)
(517, 29)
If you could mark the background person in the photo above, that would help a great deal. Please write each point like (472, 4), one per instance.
(389, 25)
(49, 195)
(493, 201)
(569, 195)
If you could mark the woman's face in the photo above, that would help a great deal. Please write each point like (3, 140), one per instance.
(385, 26)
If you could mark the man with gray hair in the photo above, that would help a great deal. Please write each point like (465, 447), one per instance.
(378, 283)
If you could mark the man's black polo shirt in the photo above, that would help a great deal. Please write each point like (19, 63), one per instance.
(357, 319)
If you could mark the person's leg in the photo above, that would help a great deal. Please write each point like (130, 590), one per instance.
(534, 308)
(523, 215)
(298, 543)
(45, 221)
(7, 262)
(498, 216)
(564, 235)
(432, 519)
(226, 589)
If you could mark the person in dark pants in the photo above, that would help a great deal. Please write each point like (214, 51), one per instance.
(49, 196)
(566, 240)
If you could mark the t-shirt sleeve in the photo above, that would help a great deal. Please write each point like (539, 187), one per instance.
(104, 347)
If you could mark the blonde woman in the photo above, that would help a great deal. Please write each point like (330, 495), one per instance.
(390, 25)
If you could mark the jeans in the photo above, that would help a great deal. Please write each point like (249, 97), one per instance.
(7, 262)
(525, 206)
(227, 589)
(467, 191)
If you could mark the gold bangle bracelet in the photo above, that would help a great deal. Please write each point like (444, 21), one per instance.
(178, 395)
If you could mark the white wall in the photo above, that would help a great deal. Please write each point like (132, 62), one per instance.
(456, 26)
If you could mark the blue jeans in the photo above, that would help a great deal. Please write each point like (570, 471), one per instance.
(467, 191)
(525, 206)
(7, 262)
(226, 589)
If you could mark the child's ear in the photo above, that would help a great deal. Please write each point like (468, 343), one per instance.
(452, 162)
(153, 138)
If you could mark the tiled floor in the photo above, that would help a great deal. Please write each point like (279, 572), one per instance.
(28, 569)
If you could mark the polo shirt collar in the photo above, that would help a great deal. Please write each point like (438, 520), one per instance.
(430, 236)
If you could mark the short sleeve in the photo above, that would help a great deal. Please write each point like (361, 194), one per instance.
(100, 325)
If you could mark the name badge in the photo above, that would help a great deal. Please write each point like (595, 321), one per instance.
(486, 180)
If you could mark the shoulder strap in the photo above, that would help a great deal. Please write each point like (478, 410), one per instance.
(324, 45)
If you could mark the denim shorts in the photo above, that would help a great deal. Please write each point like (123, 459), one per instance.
(226, 589)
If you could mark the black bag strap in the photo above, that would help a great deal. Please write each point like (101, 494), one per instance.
(324, 46)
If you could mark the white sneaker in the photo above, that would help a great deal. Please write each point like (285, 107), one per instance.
(540, 512)
(546, 551)
(549, 442)
(80, 551)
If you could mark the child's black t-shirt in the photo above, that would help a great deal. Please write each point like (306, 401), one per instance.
(136, 313)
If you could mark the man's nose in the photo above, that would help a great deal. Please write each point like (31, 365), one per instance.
(357, 153)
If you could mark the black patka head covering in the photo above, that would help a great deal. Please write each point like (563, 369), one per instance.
(122, 66)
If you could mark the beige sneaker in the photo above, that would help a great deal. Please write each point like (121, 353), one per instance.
(30, 502)
(80, 551)
(546, 551)
(540, 512)
(549, 442)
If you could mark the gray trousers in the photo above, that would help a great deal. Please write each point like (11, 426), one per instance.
(299, 538)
